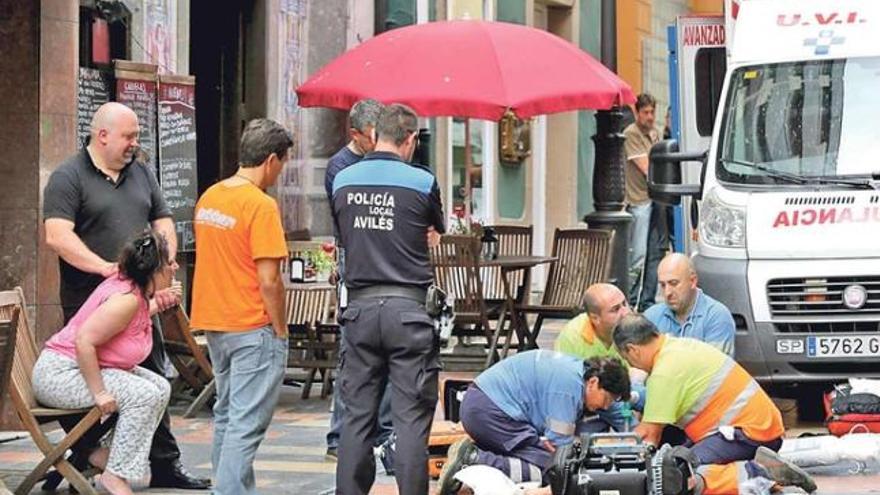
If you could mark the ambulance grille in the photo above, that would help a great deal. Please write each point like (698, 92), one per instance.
(819, 200)
(821, 297)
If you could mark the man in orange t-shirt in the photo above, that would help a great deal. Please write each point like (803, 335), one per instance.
(238, 298)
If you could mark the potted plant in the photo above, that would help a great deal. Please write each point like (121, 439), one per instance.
(322, 261)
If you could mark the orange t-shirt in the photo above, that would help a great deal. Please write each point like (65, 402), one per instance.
(234, 226)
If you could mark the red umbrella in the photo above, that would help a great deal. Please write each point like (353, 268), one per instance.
(472, 69)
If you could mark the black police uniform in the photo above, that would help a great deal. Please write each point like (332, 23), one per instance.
(383, 208)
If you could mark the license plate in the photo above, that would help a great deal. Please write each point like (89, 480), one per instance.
(843, 346)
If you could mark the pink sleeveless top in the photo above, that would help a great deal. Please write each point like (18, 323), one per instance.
(126, 349)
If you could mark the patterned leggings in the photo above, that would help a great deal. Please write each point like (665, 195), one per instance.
(141, 398)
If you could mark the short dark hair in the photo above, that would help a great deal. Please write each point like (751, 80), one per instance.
(634, 330)
(645, 100)
(260, 139)
(396, 123)
(612, 374)
(142, 257)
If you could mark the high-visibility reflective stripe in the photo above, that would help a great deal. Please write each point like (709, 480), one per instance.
(561, 427)
(714, 385)
(515, 469)
(534, 473)
(742, 400)
(708, 419)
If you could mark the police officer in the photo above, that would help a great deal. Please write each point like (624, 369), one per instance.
(382, 206)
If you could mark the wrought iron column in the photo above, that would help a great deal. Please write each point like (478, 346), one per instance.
(608, 193)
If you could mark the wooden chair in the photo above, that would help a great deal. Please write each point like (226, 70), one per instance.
(313, 342)
(583, 259)
(31, 414)
(457, 272)
(8, 331)
(188, 352)
(513, 240)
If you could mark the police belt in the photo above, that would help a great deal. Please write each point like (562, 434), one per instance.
(379, 291)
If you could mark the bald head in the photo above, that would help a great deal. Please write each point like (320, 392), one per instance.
(678, 262)
(605, 305)
(677, 279)
(114, 136)
(110, 115)
(596, 297)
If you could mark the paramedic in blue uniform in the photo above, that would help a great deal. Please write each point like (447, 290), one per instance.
(382, 207)
(519, 411)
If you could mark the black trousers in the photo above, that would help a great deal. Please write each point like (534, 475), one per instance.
(393, 339)
(164, 449)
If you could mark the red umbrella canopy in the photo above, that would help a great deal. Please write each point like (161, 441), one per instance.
(474, 69)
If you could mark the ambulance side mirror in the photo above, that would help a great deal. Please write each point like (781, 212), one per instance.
(665, 173)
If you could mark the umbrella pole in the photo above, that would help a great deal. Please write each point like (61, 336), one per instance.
(608, 192)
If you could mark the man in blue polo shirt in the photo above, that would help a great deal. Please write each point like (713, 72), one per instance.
(687, 311)
(519, 411)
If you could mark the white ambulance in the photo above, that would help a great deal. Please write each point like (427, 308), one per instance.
(789, 206)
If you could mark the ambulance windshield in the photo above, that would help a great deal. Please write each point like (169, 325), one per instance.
(818, 118)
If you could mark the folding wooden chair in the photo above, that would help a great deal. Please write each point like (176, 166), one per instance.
(31, 414)
(313, 342)
(188, 352)
(8, 331)
(583, 259)
(457, 272)
(513, 240)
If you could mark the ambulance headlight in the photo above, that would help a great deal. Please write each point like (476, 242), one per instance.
(721, 224)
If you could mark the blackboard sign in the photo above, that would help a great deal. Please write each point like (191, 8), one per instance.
(93, 91)
(136, 88)
(178, 174)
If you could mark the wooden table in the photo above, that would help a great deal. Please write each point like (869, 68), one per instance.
(510, 264)
(467, 358)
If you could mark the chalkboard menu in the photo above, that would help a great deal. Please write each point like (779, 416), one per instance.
(94, 91)
(178, 174)
(136, 88)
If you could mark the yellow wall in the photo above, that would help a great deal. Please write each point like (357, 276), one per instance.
(706, 6)
(633, 25)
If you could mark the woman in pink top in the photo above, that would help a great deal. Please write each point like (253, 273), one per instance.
(94, 360)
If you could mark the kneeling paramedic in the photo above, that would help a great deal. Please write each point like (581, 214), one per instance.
(733, 428)
(383, 206)
(519, 411)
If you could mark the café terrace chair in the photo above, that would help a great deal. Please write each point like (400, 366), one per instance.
(457, 272)
(513, 240)
(31, 414)
(188, 353)
(583, 258)
(313, 342)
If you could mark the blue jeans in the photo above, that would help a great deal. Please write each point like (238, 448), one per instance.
(638, 247)
(248, 369)
(658, 244)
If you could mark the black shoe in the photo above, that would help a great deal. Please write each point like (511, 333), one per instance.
(174, 475)
(330, 455)
(462, 454)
